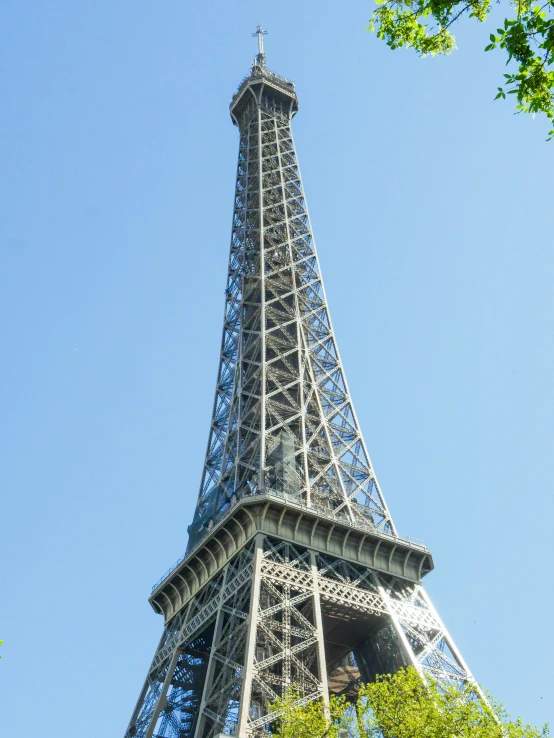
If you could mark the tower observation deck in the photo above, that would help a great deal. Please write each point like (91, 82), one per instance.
(294, 571)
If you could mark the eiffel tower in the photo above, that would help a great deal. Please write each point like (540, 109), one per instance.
(294, 572)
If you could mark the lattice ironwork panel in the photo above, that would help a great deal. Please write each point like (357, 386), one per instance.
(283, 418)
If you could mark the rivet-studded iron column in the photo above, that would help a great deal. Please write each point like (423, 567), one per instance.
(294, 572)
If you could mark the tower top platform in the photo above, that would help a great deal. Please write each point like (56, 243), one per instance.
(262, 83)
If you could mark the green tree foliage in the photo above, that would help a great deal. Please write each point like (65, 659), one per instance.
(402, 706)
(527, 38)
(311, 720)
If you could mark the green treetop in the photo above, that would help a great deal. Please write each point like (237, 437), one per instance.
(402, 706)
(527, 38)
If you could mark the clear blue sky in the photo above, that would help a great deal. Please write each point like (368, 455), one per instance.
(432, 208)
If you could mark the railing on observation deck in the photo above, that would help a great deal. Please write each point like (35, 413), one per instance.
(267, 73)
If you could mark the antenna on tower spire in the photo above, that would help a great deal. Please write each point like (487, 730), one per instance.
(260, 33)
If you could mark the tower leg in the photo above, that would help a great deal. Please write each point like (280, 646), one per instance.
(198, 732)
(243, 729)
(322, 661)
(160, 704)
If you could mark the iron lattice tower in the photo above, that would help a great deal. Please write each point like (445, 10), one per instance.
(294, 572)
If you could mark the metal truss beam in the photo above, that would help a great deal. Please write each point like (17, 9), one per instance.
(271, 621)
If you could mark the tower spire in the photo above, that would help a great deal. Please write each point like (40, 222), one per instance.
(260, 58)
